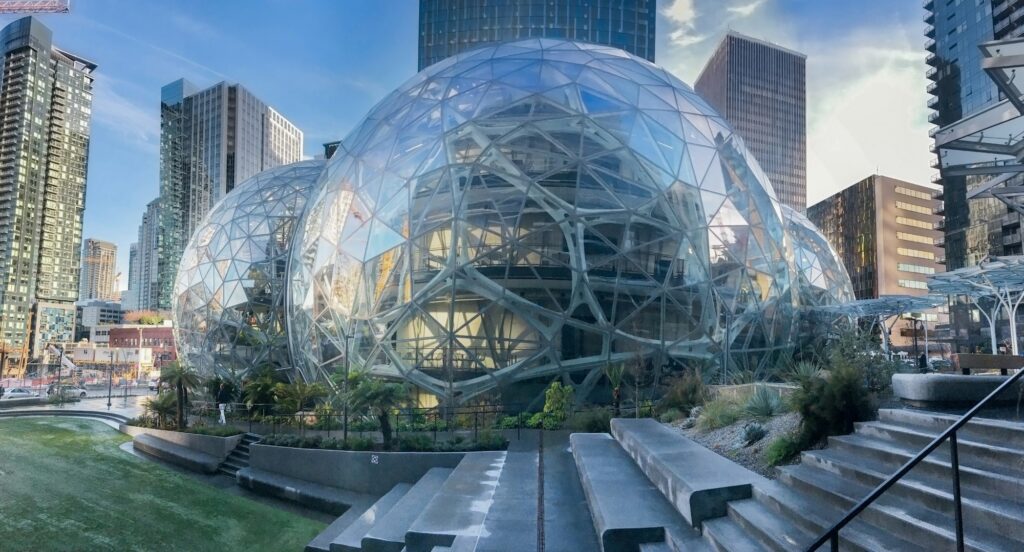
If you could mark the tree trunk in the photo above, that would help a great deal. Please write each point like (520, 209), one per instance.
(385, 427)
(616, 400)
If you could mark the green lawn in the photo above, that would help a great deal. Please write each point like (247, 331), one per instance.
(65, 485)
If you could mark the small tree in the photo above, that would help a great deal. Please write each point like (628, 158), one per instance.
(615, 372)
(161, 407)
(381, 398)
(181, 380)
(558, 402)
(259, 391)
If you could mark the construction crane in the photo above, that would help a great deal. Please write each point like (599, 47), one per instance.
(35, 6)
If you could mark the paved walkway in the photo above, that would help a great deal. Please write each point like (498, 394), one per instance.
(130, 407)
(512, 518)
(567, 522)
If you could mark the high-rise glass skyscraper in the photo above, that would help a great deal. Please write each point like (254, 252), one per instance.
(99, 271)
(448, 27)
(210, 140)
(45, 112)
(143, 276)
(761, 90)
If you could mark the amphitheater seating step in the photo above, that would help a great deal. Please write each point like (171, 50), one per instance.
(388, 533)
(351, 538)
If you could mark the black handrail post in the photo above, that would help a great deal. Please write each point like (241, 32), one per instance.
(835, 541)
(954, 457)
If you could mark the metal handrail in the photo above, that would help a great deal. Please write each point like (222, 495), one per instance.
(832, 534)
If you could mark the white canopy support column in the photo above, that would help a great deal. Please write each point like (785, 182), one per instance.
(885, 307)
(998, 278)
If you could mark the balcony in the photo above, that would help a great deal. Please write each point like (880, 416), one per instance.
(932, 59)
(929, 31)
(933, 103)
(931, 87)
(935, 163)
(940, 241)
(930, 45)
(929, 18)
(940, 208)
(940, 224)
(933, 117)
(931, 74)
(928, 4)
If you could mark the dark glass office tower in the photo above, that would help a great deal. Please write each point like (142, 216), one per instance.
(448, 27)
(760, 88)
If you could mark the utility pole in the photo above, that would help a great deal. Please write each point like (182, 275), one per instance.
(110, 375)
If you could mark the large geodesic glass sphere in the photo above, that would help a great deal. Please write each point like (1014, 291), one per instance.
(821, 279)
(534, 210)
(229, 295)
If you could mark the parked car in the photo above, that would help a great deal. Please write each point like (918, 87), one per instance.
(19, 393)
(68, 391)
(153, 384)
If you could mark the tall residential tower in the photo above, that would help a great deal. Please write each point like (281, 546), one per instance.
(99, 271)
(210, 140)
(761, 90)
(448, 27)
(45, 110)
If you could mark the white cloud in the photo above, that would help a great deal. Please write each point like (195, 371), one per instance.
(746, 9)
(866, 99)
(138, 124)
(681, 11)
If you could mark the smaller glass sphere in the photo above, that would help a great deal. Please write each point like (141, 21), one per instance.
(228, 302)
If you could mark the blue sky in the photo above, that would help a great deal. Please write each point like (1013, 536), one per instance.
(324, 63)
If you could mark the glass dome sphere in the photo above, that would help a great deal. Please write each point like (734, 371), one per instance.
(229, 294)
(821, 278)
(536, 210)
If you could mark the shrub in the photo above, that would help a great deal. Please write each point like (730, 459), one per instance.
(593, 420)
(753, 433)
(362, 425)
(831, 406)
(781, 450)
(510, 422)
(718, 413)
(684, 393)
(215, 431)
(803, 371)
(558, 400)
(415, 443)
(491, 440)
(536, 421)
(763, 403)
(671, 415)
(360, 443)
(333, 443)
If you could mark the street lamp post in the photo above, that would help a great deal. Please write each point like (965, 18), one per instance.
(344, 418)
(110, 376)
(60, 364)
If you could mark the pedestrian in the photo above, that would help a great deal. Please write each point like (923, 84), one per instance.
(922, 363)
(222, 399)
(1, 391)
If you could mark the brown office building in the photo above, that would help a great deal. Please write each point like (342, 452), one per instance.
(889, 239)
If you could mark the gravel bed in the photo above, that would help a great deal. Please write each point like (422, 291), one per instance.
(728, 441)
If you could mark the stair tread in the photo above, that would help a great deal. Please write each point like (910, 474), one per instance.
(969, 440)
(919, 514)
(779, 531)
(727, 532)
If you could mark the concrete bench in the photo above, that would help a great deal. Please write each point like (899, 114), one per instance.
(460, 505)
(313, 495)
(967, 362)
(388, 533)
(697, 481)
(941, 390)
(176, 454)
(627, 510)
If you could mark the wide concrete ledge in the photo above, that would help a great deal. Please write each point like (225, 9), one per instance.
(460, 506)
(697, 481)
(388, 533)
(373, 473)
(628, 511)
(217, 447)
(938, 390)
(319, 497)
(178, 455)
(100, 415)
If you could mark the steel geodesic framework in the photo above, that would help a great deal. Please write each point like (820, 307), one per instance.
(821, 278)
(228, 302)
(539, 209)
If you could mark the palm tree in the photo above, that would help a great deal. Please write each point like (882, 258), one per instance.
(259, 391)
(182, 380)
(381, 398)
(614, 373)
(297, 396)
(161, 406)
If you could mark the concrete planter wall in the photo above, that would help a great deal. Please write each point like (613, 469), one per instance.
(938, 390)
(364, 472)
(27, 401)
(218, 447)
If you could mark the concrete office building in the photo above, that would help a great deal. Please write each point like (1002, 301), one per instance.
(45, 112)
(99, 271)
(885, 232)
(761, 90)
(93, 318)
(143, 262)
(448, 27)
(210, 140)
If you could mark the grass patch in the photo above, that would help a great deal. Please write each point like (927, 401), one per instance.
(718, 413)
(67, 486)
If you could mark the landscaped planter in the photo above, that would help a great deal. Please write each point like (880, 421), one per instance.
(217, 447)
(358, 471)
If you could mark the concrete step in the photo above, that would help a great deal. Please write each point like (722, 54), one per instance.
(350, 539)
(907, 516)
(460, 506)
(724, 534)
(626, 508)
(815, 516)
(388, 533)
(697, 481)
(984, 430)
(890, 456)
(322, 542)
(987, 514)
(774, 531)
(972, 453)
(234, 465)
